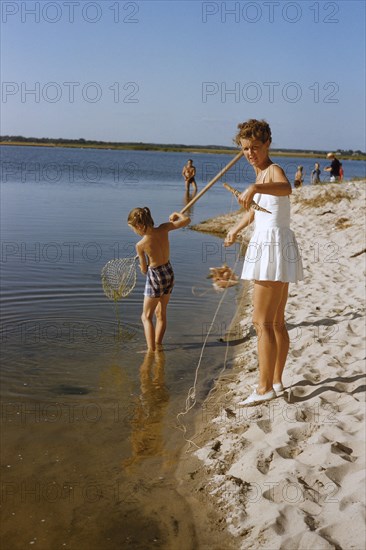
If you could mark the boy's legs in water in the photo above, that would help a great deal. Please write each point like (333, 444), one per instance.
(154, 336)
(161, 319)
(150, 305)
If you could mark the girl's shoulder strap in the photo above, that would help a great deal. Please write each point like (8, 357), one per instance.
(271, 169)
(271, 166)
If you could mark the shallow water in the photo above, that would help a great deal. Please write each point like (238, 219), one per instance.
(89, 423)
(90, 438)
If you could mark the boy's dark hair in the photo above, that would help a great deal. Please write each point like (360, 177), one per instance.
(140, 216)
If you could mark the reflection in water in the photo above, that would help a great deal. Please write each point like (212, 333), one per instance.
(187, 198)
(147, 439)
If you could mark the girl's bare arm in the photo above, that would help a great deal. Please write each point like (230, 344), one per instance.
(279, 187)
(142, 258)
(246, 220)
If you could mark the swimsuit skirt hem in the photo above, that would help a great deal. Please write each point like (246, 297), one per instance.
(273, 255)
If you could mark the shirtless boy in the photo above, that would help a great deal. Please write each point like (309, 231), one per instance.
(153, 251)
(189, 172)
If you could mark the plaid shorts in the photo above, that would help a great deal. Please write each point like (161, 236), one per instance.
(159, 281)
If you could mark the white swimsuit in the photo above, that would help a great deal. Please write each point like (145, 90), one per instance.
(273, 253)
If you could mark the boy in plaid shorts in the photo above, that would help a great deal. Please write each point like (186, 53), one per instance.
(153, 253)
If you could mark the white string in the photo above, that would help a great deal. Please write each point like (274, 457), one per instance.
(192, 391)
(200, 293)
(191, 396)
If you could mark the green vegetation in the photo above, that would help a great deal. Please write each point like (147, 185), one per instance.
(177, 148)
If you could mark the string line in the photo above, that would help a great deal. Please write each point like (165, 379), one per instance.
(191, 396)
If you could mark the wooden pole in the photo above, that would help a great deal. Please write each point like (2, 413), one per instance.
(213, 181)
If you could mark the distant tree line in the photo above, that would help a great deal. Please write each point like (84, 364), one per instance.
(82, 141)
(149, 146)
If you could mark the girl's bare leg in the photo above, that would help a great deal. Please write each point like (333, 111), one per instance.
(267, 299)
(161, 318)
(150, 305)
(282, 337)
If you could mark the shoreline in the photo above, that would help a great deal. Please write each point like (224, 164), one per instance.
(174, 149)
(290, 473)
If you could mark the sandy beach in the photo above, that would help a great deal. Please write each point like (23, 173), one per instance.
(290, 474)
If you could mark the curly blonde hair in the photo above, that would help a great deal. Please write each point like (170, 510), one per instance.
(140, 216)
(253, 129)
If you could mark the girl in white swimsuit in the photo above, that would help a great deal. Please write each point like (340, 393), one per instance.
(272, 260)
(273, 253)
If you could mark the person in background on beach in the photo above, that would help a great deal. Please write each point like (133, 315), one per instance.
(315, 174)
(333, 168)
(341, 172)
(153, 251)
(299, 178)
(272, 259)
(189, 173)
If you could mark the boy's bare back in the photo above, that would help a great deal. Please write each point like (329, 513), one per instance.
(153, 249)
(155, 245)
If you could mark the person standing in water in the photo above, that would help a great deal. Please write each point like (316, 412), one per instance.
(189, 174)
(153, 251)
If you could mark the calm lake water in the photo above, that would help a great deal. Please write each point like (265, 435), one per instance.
(90, 437)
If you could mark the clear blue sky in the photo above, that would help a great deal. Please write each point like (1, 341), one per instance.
(300, 65)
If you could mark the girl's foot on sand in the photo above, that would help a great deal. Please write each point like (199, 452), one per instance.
(278, 388)
(256, 398)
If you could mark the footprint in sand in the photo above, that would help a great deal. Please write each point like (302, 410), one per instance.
(265, 426)
(298, 391)
(337, 473)
(263, 463)
(276, 494)
(350, 330)
(296, 352)
(313, 375)
(342, 388)
(281, 524)
(302, 433)
(310, 415)
(288, 451)
(298, 438)
(307, 540)
(328, 535)
(350, 501)
(342, 450)
(311, 522)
